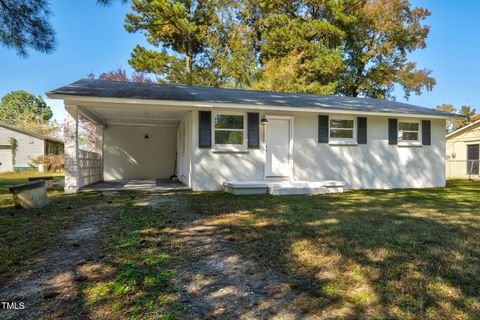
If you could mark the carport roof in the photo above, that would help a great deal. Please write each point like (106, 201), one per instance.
(166, 92)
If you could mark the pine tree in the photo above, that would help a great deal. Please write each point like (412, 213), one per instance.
(180, 30)
(25, 25)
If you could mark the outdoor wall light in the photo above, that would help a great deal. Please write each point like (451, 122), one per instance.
(264, 120)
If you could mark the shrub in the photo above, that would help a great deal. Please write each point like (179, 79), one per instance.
(52, 162)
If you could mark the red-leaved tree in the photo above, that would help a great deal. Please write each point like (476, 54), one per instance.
(87, 129)
(120, 74)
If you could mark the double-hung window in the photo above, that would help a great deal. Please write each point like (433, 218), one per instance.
(229, 130)
(409, 131)
(342, 129)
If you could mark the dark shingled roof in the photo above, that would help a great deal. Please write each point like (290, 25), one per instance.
(132, 90)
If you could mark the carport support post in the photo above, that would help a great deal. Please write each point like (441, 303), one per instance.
(99, 145)
(72, 165)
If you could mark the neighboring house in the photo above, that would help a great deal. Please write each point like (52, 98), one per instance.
(209, 136)
(19, 147)
(463, 152)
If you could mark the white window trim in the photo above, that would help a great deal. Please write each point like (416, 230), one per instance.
(343, 141)
(232, 147)
(410, 143)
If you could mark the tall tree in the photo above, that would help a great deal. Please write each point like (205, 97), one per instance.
(296, 46)
(24, 24)
(468, 113)
(180, 30)
(448, 108)
(26, 111)
(347, 47)
(18, 106)
(299, 52)
(230, 48)
(379, 35)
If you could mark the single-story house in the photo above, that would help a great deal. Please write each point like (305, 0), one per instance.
(463, 151)
(19, 147)
(209, 137)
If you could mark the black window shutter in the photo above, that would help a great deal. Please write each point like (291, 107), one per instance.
(426, 132)
(253, 130)
(392, 131)
(323, 129)
(205, 129)
(362, 130)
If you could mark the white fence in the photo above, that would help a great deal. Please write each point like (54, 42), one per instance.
(90, 165)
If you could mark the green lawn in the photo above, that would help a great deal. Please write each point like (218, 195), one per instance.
(399, 254)
(133, 279)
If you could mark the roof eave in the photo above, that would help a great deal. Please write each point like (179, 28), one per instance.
(463, 128)
(32, 134)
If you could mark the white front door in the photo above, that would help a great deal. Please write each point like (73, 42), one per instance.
(6, 164)
(278, 144)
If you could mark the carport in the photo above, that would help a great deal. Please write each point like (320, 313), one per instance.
(138, 146)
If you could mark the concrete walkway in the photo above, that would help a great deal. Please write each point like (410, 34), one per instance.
(149, 185)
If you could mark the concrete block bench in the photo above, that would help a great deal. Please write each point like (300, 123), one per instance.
(48, 181)
(30, 195)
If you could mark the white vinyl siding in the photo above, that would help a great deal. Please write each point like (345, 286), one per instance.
(28, 147)
(375, 165)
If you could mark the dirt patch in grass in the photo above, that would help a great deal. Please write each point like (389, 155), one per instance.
(48, 287)
(216, 281)
(26, 233)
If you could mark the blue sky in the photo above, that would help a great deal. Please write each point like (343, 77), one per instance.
(92, 39)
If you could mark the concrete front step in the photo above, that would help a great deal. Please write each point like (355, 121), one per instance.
(283, 187)
(283, 191)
